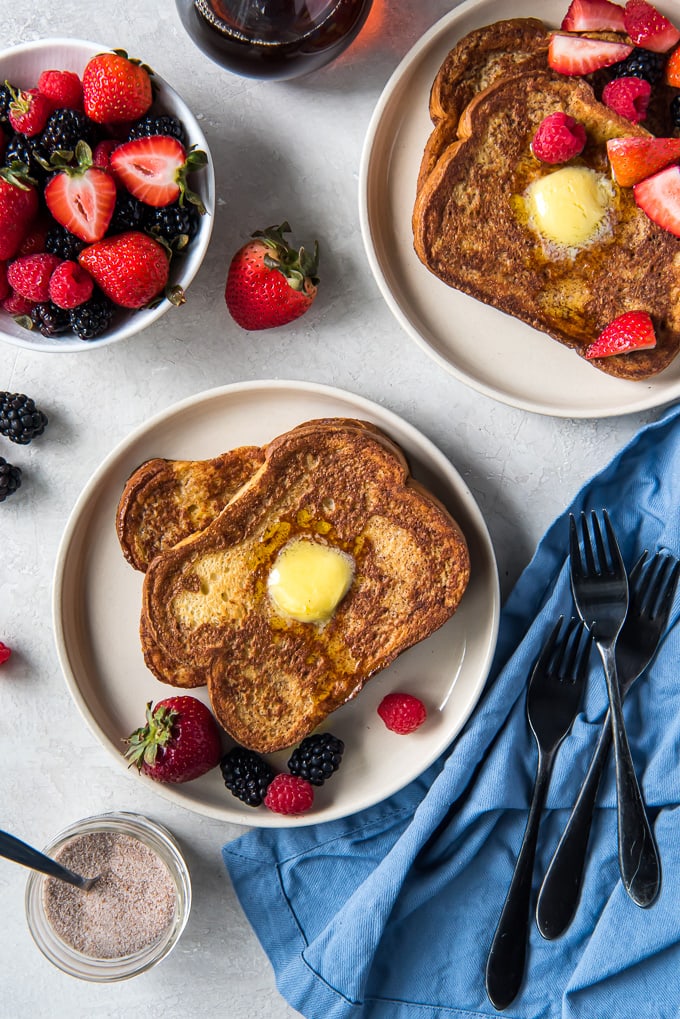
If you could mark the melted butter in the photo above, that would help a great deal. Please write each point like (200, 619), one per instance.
(569, 208)
(308, 580)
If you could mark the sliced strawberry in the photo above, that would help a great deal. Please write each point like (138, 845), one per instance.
(659, 198)
(648, 28)
(634, 330)
(672, 75)
(82, 198)
(593, 16)
(574, 54)
(154, 170)
(634, 159)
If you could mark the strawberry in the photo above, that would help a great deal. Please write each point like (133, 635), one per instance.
(648, 28)
(154, 169)
(62, 88)
(101, 156)
(115, 88)
(5, 289)
(574, 54)
(634, 330)
(131, 268)
(672, 74)
(18, 207)
(593, 16)
(633, 159)
(179, 742)
(629, 97)
(82, 197)
(268, 283)
(29, 276)
(659, 198)
(28, 111)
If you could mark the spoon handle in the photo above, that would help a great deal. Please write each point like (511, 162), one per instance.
(13, 848)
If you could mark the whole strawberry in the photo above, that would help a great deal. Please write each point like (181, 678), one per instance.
(130, 268)
(269, 283)
(18, 208)
(28, 111)
(115, 88)
(179, 742)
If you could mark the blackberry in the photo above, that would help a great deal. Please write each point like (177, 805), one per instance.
(49, 319)
(5, 99)
(641, 64)
(63, 244)
(675, 111)
(21, 149)
(317, 758)
(20, 419)
(10, 479)
(177, 224)
(246, 775)
(128, 214)
(92, 318)
(64, 129)
(150, 125)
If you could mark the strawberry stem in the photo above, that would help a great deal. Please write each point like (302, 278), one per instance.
(144, 742)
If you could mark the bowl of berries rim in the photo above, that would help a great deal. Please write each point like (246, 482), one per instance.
(22, 65)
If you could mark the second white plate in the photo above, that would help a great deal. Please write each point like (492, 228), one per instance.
(97, 600)
(489, 351)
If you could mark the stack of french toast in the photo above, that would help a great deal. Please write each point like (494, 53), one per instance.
(481, 205)
(284, 577)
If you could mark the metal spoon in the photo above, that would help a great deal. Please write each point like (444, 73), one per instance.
(13, 848)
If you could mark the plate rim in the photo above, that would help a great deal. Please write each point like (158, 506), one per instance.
(88, 494)
(649, 399)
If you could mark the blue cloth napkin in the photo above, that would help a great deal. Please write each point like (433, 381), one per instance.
(371, 917)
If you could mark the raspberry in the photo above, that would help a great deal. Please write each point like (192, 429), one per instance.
(70, 285)
(246, 775)
(558, 138)
(289, 794)
(5, 289)
(101, 157)
(402, 713)
(5, 652)
(317, 757)
(29, 276)
(628, 97)
(62, 88)
(16, 305)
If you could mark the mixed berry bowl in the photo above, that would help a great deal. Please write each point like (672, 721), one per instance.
(22, 66)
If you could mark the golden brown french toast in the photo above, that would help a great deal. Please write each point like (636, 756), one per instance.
(475, 225)
(225, 600)
(165, 500)
(477, 61)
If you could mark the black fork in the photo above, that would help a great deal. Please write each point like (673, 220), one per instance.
(553, 700)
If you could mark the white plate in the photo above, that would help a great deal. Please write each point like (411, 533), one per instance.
(484, 348)
(97, 598)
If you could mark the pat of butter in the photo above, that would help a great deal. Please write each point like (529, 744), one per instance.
(568, 206)
(309, 580)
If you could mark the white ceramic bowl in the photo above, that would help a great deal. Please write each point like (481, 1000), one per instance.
(21, 65)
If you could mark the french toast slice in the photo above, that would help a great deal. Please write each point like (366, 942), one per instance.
(165, 500)
(477, 61)
(273, 678)
(472, 230)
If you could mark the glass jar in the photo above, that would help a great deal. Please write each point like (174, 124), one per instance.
(273, 39)
(105, 970)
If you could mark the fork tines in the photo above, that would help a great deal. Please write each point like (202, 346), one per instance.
(656, 589)
(608, 555)
(566, 656)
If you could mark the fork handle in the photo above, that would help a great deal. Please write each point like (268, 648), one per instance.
(507, 955)
(560, 891)
(638, 856)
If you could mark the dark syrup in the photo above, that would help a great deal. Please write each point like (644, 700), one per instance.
(273, 38)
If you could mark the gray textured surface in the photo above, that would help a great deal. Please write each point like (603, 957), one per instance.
(280, 150)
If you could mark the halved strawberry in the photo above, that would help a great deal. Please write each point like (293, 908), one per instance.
(634, 330)
(672, 75)
(155, 169)
(634, 159)
(82, 198)
(659, 198)
(648, 28)
(593, 16)
(575, 54)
